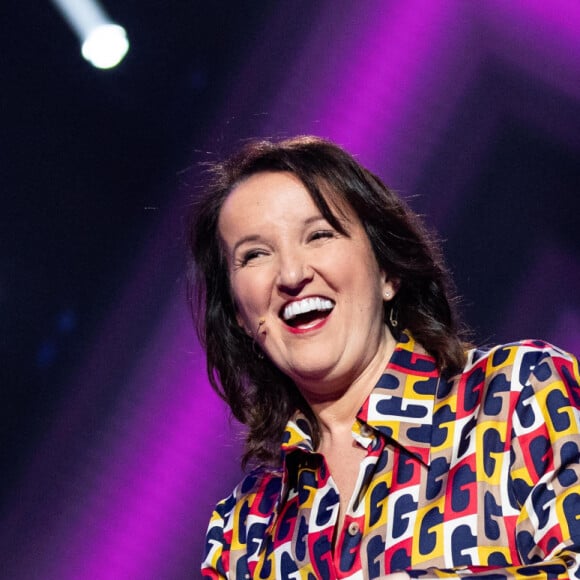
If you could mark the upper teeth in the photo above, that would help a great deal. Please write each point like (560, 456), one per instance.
(306, 305)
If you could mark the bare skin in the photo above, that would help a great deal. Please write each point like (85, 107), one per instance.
(342, 453)
(343, 457)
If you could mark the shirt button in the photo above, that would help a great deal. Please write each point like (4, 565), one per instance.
(353, 528)
(365, 430)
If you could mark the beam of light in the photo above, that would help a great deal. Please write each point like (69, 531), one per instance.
(103, 43)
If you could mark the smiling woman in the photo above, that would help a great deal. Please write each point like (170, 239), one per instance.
(381, 442)
(320, 292)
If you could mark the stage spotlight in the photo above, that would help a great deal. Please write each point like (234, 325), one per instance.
(105, 46)
(103, 43)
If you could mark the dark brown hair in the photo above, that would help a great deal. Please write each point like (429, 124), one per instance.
(258, 394)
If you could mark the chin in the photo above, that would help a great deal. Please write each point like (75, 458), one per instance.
(305, 371)
(314, 377)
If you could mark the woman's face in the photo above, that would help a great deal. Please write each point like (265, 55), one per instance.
(311, 297)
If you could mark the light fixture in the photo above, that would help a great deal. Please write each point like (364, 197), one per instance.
(103, 43)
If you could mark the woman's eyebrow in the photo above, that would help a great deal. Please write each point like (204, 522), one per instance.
(313, 219)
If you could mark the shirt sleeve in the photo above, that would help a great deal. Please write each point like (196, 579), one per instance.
(545, 463)
(238, 525)
(545, 473)
(214, 564)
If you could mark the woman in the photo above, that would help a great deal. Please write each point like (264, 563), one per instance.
(381, 444)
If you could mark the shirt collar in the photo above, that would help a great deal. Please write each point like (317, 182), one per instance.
(298, 434)
(400, 406)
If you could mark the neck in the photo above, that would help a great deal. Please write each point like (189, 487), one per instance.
(336, 411)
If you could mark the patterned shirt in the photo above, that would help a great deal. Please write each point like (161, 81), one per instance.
(476, 474)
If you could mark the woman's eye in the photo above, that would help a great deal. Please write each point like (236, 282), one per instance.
(321, 234)
(249, 256)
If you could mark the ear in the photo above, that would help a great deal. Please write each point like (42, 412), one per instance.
(390, 287)
(241, 324)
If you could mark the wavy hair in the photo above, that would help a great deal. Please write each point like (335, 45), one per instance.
(257, 392)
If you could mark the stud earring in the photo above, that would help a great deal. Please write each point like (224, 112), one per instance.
(387, 295)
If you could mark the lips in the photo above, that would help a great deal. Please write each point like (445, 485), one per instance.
(307, 312)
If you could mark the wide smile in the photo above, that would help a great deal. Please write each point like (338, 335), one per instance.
(306, 314)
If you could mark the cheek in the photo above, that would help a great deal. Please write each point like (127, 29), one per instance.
(248, 295)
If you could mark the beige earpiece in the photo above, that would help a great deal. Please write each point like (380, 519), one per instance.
(261, 321)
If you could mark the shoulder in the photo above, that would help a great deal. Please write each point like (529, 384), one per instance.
(533, 346)
(241, 520)
(526, 367)
(527, 357)
(259, 490)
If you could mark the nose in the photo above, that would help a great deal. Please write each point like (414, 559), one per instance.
(294, 272)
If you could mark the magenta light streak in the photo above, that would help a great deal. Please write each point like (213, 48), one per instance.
(146, 478)
(94, 507)
(381, 80)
